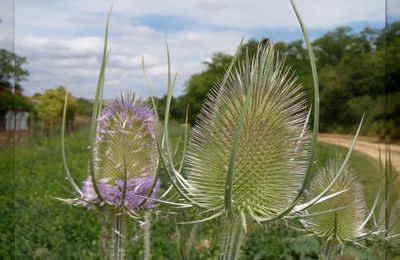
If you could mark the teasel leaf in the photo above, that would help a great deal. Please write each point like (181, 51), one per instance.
(96, 110)
(233, 156)
(316, 100)
(64, 157)
(349, 208)
(313, 144)
(160, 137)
(179, 182)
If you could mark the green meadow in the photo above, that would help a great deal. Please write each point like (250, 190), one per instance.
(37, 226)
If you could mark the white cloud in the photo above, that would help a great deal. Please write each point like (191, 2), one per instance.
(6, 25)
(211, 6)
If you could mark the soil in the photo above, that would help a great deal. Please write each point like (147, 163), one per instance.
(366, 145)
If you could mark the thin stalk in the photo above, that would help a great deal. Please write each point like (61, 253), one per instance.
(104, 217)
(232, 241)
(330, 250)
(147, 236)
(179, 231)
(386, 198)
(119, 236)
(190, 242)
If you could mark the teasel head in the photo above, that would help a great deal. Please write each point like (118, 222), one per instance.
(271, 155)
(122, 147)
(343, 216)
(125, 155)
(123, 165)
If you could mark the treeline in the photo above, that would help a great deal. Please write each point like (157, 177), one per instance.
(358, 73)
(45, 109)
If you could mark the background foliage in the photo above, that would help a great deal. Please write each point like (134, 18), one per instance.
(355, 72)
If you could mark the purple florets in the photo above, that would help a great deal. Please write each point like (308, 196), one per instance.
(136, 189)
(126, 112)
(127, 127)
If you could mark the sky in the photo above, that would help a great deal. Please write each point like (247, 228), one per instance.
(63, 40)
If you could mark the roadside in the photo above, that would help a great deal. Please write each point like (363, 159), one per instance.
(366, 145)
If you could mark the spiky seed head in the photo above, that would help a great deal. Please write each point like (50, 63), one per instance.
(343, 224)
(272, 155)
(125, 145)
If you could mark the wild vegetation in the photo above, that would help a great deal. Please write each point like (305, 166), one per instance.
(47, 229)
(268, 190)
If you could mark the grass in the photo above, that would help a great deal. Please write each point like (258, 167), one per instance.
(39, 227)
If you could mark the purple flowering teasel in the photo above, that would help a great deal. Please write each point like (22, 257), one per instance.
(125, 156)
(122, 166)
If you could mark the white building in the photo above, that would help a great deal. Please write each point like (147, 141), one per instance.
(17, 120)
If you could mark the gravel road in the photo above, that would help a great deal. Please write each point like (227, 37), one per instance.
(368, 146)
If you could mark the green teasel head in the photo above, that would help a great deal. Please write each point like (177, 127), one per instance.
(272, 152)
(343, 215)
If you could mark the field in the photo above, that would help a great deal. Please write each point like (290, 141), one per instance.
(48, 229)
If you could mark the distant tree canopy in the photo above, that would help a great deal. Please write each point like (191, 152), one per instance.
(9, 101)
(50, 105)
(199, 85)
(352, 78)
(11, 74)
(11, 71)
(84, 107)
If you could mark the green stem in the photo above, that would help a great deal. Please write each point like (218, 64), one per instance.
(147, 236)
(330, 250)
(118, 237)
(105, 235)
(190, 242)
(386, 201)
(232, 241)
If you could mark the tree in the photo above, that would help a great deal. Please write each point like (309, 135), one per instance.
(331, 47)
(355, 72)
(199, 85)
(84, 107)
(177, 107)
(11, 71)
(50, 106)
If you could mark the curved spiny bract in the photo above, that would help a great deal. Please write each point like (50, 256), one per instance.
(272, 155)
(345, 222)
(125, 154)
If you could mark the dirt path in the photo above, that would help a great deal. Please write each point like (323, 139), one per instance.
(368, 146)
